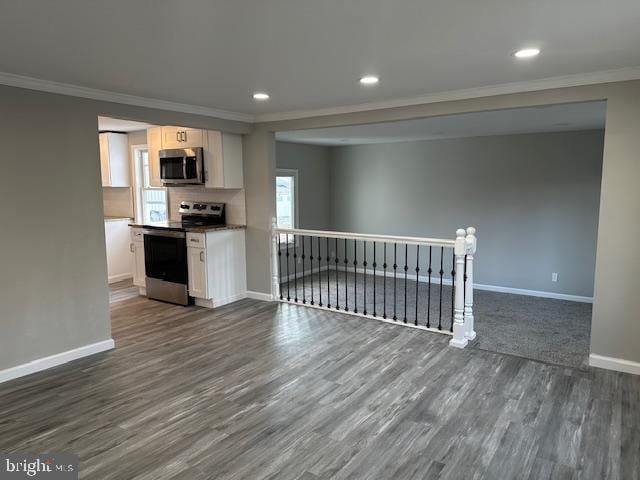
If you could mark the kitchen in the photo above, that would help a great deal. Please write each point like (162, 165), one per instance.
(174, 208)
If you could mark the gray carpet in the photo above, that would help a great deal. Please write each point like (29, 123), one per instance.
(553, 331)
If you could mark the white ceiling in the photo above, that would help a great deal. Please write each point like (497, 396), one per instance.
(309, 54)
(556, 118)
(118, 125)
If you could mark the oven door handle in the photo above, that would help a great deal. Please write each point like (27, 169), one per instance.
(184, 168)
(164, 233)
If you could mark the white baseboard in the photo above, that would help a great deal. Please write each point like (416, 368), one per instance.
(617, 364)
(55, 360)
(266, 297)
(209, 303)
(534, 293)
(120, 277)
(435, 280)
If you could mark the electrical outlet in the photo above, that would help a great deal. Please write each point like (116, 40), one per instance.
(554, 277)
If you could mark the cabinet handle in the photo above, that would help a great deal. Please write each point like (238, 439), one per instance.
(202, 256)
(184, 136)
(132, 248)
(178, 136)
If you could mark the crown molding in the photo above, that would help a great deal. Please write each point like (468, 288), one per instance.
(31, 83)
(582, 79)
(606, 76)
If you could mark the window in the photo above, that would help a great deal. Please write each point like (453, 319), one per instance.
(151, 201)
(286, 199)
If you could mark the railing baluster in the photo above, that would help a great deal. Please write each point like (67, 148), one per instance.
(319, 272)
(288, 275)
(346, 281)
(453, 285)
(384, 284)
(429, 271)
(311, 263)
(417, 279)
(304, 293)
(374, 278)
(364, 264)
(280, 265)
(441, 273)
(337, 286)
(295, 267)
(328, 277)
(355, 276)
(395, 276)
(406, 269)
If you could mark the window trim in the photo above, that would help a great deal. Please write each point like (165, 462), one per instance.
(138, 177)
(291, 172)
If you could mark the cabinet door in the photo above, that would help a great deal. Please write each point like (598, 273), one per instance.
(139, 274)
(213, 163)
(154, 145)
(119, 160)
(191, 137)
(181, 137)
(197, 265)
(104, 159)
(171, 137)
(119, 258)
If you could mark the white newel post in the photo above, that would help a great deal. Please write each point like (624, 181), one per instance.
(470, 244)
(459, 339)
(275, 282)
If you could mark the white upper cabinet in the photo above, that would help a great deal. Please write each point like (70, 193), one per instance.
(223, 160)
(181, 137)
(114, 159)
(154, 145)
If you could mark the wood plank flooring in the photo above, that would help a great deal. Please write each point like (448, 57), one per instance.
(261, 390)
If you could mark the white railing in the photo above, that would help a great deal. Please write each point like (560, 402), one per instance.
(312, 259)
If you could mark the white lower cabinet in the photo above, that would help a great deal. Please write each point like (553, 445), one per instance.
(197, 265)
(217, 266)
(137, 248)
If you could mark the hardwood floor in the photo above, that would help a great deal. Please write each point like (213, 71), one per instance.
(260, 390)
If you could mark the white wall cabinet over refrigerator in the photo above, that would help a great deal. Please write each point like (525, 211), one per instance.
(217, 267)
(114, 159)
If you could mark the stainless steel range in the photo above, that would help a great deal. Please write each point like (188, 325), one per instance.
(165, 250)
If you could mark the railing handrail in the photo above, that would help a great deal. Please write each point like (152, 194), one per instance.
(436, 242)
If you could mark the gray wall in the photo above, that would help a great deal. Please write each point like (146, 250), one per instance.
(314, 185)
(533, 199)
(53, 287)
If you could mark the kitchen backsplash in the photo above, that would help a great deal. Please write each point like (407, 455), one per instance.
(234, 199)
(117, 201)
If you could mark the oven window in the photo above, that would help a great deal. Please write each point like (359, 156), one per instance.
(171, 168)
(165, 258)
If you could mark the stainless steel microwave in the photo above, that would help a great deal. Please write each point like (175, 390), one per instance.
(182, 166)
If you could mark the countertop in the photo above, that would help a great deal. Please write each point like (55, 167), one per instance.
(116, 219)
(177, 226)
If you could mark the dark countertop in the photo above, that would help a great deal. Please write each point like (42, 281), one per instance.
(177, 226)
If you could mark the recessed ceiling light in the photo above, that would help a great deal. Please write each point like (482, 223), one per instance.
(527, 53)
(369, 80)
(260, 96)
